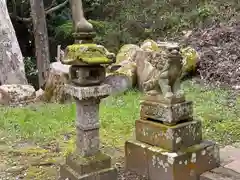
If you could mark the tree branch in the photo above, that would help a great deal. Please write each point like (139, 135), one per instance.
(14, 8)
(52, 4)
(56, 7)
(49, 11)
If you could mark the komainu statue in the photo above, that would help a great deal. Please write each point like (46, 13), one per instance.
(164, 81)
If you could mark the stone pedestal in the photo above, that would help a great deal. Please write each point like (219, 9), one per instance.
(169, 143)
(88, 162)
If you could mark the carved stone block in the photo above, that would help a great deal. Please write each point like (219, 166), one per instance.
(82, 93)
(88, 142)
(87, 75)
(87, 114)
(172, 138)
(187, 164)
(169, 114)
(136, 158)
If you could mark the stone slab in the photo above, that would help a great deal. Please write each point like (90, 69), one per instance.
(220, 173)
(87, 114)
(66, 173)
(88, 142)
(172, 138)
(81, 93)
(182, 165)
(169, 114)
(136, 158)
(85, 165)
(229, 154)
(235, 165)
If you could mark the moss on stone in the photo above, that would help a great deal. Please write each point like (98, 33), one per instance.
(36, 173)
(150, 45)
(29, 151)
(190, 57)
(86, 53)
(85, 160)
(70, 147)
(125, 52)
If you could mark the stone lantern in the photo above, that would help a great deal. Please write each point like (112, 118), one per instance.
(86, 76)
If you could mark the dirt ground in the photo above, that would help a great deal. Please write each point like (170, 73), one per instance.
(30, 162)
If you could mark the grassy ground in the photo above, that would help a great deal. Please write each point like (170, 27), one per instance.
(52, 126)
(218, 109)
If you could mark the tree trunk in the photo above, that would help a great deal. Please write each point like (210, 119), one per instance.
(41, 39)
(12, 69)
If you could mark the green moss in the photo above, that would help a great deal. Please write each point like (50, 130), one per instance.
(37, 173)
(190, 57)
(125, 52)
(29, 151)
(85, 160)
(86, 53)
(71, 146)
(150, 45)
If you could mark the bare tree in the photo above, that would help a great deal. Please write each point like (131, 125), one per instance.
(38, 18)
(41, 39)
(12, 69)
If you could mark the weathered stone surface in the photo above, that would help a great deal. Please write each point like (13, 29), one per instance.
(169, 114)
(235, 165)
(150, 45)
(66, 173)
(220, 173)
(54, 87)
(119, 83)
(136, 158)
(154, 96)
(144, 68)
(88, 92)
(126, 69)
(87, 114)
(87, 75)
(4, 97)
(85, 165)
(127, 53)
(172, 138)
(19, 93)
(229, 154)
(165, 72)
(187, 164)
(88, 142)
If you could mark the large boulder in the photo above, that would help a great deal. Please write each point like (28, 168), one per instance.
(190, 59)
(54, 87)
(127, 52)
(17, 94)
(122, 74)
(149, 45)
(144, 68)
(122, 78)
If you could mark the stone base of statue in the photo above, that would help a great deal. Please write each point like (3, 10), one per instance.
(169, 143)
(87, 162)
(156, 163)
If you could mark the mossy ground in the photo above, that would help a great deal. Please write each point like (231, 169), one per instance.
(50, 128)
